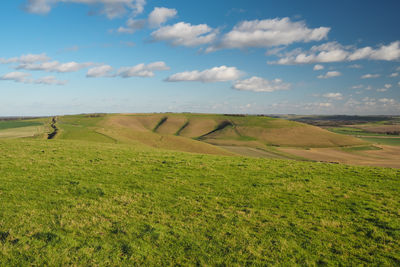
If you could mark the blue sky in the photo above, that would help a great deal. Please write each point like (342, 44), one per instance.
(259, 56)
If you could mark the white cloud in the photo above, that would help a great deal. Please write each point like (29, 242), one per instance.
(335, 96)
(25, 59)
(324, 105)
(387, 86)
(50, 80)
(370, 76)
(359, 86)
(132, 26)
(55, 66)
(216, 74)
(257, 84)
(381, 90)
(398, 84)
(23, 77)
(160, 15)
(389, 52)
(268, 33)
(395, 74)
(330, 74)
(185, 34)
(111, 8)
(328, 52)
(335, 52)
(387, 101)
(16, 76)
(142, 70)
(100, 71)
(318, 67)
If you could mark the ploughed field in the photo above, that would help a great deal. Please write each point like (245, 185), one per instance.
(122, 190)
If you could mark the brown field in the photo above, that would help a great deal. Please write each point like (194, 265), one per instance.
(378, 128)
(388, 156)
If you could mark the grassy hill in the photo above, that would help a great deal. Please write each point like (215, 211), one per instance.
(73, 202)
(201, 133)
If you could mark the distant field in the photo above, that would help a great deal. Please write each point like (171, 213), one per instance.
(353, 131)
(17, 124)
(383, 141)
(376, 155)
(21, 132)
(78, 203)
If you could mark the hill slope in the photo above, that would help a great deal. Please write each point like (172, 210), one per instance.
(180, 131)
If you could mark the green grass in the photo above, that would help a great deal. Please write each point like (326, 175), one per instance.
(353, 131)
(17, 124)
(77, 132)
(361, 148)
(85, 203)
(383, 141)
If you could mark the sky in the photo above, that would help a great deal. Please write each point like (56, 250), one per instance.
(227, 56)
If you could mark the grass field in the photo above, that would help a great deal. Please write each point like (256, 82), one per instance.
(71, 202)
(353, 131)
(383, 141)
(17, 124)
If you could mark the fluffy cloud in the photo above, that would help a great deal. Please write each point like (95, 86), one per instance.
(132, 26)
(49, 80)
(268, 33)
(335, 52)
(395, 74)
(216, 74)
(23, 77)
(185, 34)
(257, 84)
(318, 67)
(16, 76)
(26, 59)
(324, 105)
(334, 96)
(111, 8)
(55, 66)
(100, 71)
(330, 74)
(359, 86)
(387, 101)
(370, 76)
(160, 15)
(140, 70)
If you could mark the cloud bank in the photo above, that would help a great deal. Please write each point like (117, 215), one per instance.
(216, 74)
(111, 8)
